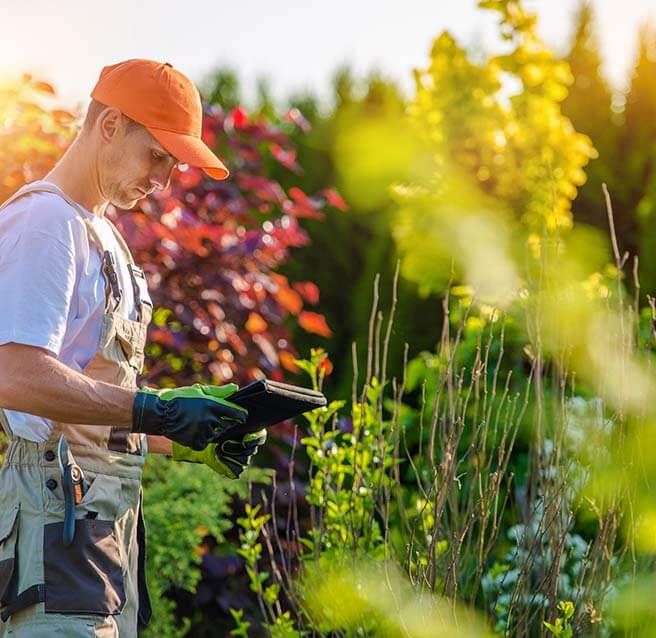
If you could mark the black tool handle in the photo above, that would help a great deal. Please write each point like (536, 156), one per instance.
(69, 507)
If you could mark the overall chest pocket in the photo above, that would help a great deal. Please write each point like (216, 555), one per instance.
(86, 577)
(130, 341)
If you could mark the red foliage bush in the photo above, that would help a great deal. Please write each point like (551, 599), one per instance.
(210, 250)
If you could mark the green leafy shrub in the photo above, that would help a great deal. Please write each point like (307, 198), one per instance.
(183, 504)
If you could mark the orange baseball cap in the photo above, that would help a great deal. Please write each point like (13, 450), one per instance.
(164, 101)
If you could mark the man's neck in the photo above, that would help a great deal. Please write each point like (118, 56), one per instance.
(76, 176)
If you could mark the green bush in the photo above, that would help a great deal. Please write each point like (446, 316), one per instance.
(183, 503)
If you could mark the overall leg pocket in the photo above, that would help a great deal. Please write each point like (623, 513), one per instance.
(86, 577)
(8, 536)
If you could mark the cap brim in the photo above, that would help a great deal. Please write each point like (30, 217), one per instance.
(191, 150)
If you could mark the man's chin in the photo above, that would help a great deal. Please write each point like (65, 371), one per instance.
(125, 203)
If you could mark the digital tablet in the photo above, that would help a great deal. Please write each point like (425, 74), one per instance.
(269, 402)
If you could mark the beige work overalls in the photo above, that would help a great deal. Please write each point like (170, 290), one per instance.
(96, 585)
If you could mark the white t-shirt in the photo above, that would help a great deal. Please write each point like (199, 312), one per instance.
(52, 290)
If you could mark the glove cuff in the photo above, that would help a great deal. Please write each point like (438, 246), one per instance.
(147, 413)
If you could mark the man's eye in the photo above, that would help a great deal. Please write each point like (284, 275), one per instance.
(157, 156)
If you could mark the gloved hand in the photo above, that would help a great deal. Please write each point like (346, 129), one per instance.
(229, 457)
(192, 416)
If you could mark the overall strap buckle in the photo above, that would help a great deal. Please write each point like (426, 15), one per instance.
(140, 289)
(109, 269)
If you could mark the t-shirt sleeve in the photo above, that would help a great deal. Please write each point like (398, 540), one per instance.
(37, 281)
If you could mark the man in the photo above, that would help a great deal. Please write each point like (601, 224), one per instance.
(75, 309)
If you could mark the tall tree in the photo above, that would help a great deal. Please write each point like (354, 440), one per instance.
(638, 152)
(222, 87)
(588, 106)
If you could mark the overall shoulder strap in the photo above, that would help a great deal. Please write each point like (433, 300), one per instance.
(26, 189)
(43, 186)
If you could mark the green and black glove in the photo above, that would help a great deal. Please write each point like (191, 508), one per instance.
(192, 416)
(229, 457)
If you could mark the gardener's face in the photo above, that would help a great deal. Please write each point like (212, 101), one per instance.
(134, 165)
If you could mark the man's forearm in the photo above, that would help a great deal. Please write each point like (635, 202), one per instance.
(33, 381)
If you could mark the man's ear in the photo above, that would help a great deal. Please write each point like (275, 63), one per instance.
(109, 123)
